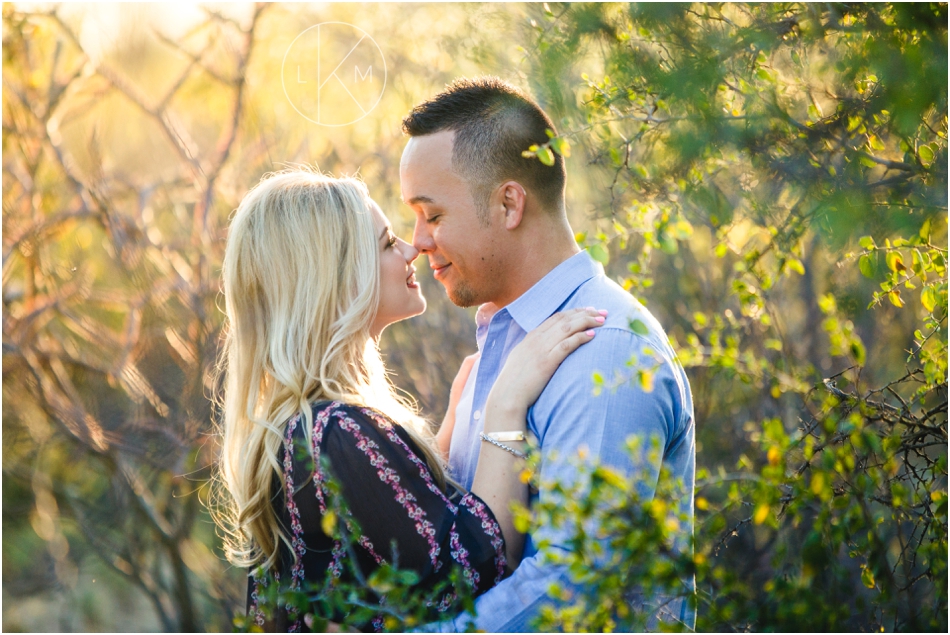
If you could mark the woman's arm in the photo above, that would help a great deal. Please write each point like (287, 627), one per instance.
(391, 494)
(526, 372)
(443, 437)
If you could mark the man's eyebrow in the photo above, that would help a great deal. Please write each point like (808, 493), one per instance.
(420, 199)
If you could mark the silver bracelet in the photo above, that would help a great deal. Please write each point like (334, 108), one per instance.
(510, 450)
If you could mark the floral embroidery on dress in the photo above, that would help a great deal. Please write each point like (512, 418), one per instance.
(296, 542)
(256, 581)
(460, 554)
(491, 528)
(319, 481)
(443, 605)
(365, 543)
(319, 425)
(336, 559)
(387, 475)
(255, 607)
(424, 471)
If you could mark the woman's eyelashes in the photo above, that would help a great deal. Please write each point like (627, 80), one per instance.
(391, 241)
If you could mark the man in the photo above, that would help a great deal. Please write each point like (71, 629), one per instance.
(494, 227)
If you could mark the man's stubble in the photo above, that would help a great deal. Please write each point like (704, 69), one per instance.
(462, 295)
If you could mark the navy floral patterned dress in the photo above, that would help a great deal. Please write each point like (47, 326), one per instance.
(391, 495)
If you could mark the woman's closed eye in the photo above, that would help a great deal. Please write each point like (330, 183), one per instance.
(391, 241)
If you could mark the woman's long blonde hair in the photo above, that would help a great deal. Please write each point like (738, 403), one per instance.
(301, 288)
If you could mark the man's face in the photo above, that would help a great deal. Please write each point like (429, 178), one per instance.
(461, 249)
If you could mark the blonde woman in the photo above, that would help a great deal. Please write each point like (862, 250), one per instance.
(312, 275)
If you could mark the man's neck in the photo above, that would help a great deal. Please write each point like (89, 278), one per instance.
(539, 257)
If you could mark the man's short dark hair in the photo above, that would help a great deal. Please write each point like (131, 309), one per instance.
(494, 122)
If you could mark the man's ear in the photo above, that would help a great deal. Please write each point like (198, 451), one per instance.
(511, 199)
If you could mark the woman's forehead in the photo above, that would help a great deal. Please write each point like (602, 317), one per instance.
(379, 218)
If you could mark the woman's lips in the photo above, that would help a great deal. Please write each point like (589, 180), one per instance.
(411, 280)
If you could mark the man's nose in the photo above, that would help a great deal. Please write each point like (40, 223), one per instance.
(421, 238)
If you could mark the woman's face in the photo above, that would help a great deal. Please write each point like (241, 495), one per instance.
(399, 293)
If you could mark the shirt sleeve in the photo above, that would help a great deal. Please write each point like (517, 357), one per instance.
(403, 516)
(567, 417)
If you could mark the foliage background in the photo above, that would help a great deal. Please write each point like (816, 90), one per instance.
(771, 180)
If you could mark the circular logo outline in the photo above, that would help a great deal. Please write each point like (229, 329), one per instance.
(283, 84)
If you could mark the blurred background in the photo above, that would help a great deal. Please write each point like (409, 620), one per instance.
(761, 177)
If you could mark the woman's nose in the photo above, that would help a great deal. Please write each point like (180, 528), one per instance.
(409, 252)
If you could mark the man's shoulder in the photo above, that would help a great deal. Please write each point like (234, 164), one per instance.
(625, 312)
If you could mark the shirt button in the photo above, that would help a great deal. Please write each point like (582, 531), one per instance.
(477, 414)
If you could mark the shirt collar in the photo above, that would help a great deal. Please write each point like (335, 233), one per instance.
(539, 302)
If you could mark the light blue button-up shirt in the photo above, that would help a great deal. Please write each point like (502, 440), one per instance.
(568, 416)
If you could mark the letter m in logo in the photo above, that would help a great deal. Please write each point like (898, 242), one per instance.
(357, 75)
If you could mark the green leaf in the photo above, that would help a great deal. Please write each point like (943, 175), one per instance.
(894, 261)
(918, 263)
(645, 378)
(928, 298)
(926, 154)
(668, 244)
(598, 251)
(522, 521)
(545, 155)
(868, 265)
(858, 352)
(328, 522)
(895, 298)
(796, 265)
(639, 327)
(867, 577)
(561, 146)
(682, 229)
(866, 241)
(875, 143)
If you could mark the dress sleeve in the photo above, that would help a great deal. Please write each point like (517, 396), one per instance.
(403, 516)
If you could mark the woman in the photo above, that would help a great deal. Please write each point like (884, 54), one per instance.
(312, 275)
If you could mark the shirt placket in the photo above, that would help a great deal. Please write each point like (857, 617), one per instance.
(488, 368)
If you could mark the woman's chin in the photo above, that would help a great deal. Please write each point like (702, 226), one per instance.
(421, 308)
(416, 307)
